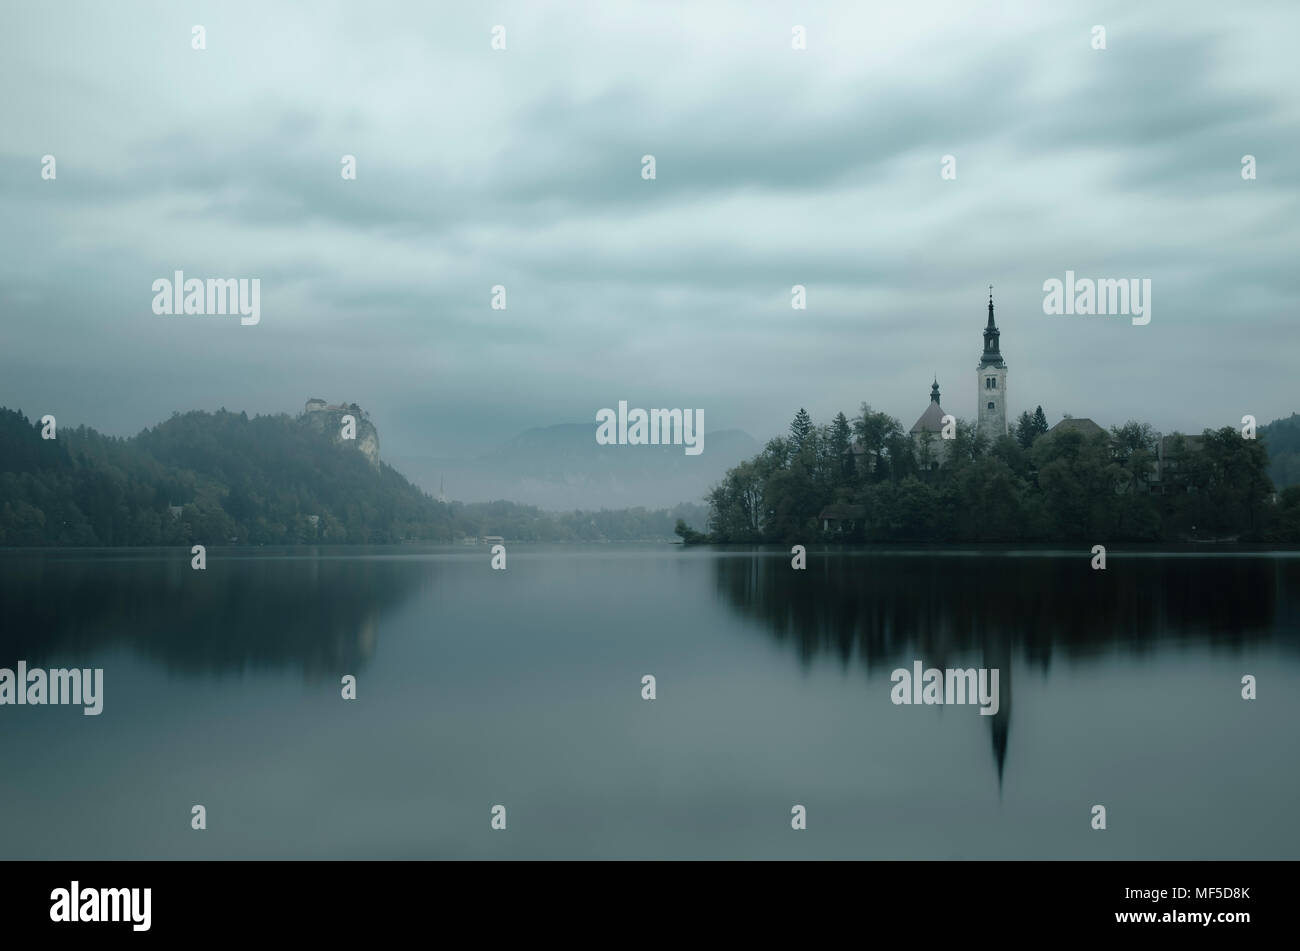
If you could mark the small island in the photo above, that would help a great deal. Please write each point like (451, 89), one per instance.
(952, 481)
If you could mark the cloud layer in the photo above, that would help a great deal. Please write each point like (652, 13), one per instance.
(523, 167)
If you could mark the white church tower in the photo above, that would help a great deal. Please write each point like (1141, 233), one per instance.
(991, 376)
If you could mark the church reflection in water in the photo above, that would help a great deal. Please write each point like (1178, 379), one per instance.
(882, 610)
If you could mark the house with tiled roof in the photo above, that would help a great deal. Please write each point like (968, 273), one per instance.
(1081, 425)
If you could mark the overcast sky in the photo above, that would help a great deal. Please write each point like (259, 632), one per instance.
(522, 167)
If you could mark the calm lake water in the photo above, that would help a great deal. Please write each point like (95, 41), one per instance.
(523, 688)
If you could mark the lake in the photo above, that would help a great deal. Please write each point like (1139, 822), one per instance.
(523, 688)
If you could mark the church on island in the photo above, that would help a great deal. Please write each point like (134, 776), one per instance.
(1168, 469)
(932, 449)
(991, 396)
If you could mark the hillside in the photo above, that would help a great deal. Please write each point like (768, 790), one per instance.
(215, 478)
(223, 478)
(1282, 436)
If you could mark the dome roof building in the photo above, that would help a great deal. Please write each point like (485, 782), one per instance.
(927, 433)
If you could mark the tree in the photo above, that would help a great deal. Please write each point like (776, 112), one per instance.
(1065, 486)
(1030, 426)
(1077, 478)
(926, 454)
(735, 504)
(1288, 521)
(1132, 437)
(873, 431)
(1040, 422)
(1233, 475)
(968, 444)
(1282, 438)
(989, 506)
(1011, 451)
(800, 427)
(841, 448)
(1023, 430)
(918, 505)
(689, 536)
(901, 453)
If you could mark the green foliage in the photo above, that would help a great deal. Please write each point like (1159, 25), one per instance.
(800, 427)
(1029, 427)
(688, 535)
(840, 446)
(223, 478)
(1030, 486)
(1288, 519)
(1040, 421)
(1282, 437)
(213, 478)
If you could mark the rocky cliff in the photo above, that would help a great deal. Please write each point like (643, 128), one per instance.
(328, 419)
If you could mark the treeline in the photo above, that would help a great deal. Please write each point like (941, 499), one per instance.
(1031, 485)
(1282, 436)
(225, 478)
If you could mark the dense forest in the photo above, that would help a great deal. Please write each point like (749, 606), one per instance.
(224, 478)
(1282, 437)
(879, 485)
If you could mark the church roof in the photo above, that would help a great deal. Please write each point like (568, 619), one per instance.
(1081, 424)
(931, 420)
(992, 355)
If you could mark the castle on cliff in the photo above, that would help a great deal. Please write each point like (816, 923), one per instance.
(328, 417)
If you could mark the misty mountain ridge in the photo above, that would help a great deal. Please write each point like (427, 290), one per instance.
(562, 467)
(228, 478)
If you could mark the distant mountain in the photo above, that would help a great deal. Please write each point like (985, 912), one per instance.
(562, 467)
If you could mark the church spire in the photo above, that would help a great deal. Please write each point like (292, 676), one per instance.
(934, 391)
(991, 378)
(992, 354)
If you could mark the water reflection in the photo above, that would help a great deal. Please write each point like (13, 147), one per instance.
(885, 610)
(317, 615)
